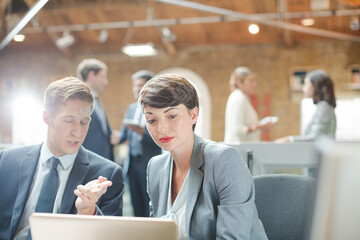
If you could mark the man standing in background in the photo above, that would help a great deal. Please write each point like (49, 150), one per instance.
(141, 147)
(94, 73)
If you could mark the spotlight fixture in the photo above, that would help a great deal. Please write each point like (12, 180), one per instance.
(65, 41)
(307, 22)
(354, 24)
(168, 35)
(103, 36)
(254, 29)
(19, 38)
(139, 50)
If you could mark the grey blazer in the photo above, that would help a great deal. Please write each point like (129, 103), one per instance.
(323, 121)
(220, 199)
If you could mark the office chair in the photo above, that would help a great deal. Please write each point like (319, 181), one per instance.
(284, 203)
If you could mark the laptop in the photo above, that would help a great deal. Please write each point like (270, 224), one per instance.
(45, 226)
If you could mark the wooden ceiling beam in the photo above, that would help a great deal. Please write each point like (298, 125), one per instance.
(253, 17)
(76, 7)
(3, 6)
(42, 17)
(167, 44)
(286, 34)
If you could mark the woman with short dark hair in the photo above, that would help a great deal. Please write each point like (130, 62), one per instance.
(205, 187)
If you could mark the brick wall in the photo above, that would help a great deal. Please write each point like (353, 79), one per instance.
(271, 63)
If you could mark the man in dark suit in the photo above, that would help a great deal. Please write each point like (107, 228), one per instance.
(141, 147)
(59, 175)
(94, 73)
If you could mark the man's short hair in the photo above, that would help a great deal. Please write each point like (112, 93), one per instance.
(145, 74)
(58, 92)
(89, 65)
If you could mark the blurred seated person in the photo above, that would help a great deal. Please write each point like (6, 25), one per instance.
(241, 120)
(204, 186)
(318, 86)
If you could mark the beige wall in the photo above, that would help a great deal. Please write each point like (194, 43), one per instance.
(270, 62)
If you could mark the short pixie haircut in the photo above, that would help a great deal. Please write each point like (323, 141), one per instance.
(169, 90)
(58, 92)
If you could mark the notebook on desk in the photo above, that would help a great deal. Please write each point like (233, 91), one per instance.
(45, 226)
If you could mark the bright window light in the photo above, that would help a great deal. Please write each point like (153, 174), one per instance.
(139, 50)
(254, 29)
(28, 126)
(19, 38)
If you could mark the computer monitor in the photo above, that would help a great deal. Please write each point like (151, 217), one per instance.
(337, 210)
(45, 226)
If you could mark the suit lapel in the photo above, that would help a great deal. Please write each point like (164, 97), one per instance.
(164, 187)
(195, 179)
(96, 118)
(27, 170)
(77, 176)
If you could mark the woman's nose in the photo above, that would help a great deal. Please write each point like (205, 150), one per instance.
(163, 127)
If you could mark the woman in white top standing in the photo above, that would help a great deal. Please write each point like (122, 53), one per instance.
(241, 120)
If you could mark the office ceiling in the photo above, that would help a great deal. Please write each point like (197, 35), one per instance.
(201, 22)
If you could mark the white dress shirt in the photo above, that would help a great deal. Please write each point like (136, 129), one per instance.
(239, 115)
(42, 170)
(177, 210)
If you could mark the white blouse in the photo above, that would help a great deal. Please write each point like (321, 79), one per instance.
(239, 115)
(177, 210)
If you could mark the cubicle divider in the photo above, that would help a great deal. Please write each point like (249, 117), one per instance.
(263, 157)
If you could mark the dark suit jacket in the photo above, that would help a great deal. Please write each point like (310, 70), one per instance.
(149, 147)
(17, 168)
(96, 140)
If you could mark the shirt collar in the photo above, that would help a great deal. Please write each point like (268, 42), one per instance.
(95, 94)
(66, 160)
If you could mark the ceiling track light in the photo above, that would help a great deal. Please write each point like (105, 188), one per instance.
(168, 35)
(354, 23)
(65, 41)
(103, 36)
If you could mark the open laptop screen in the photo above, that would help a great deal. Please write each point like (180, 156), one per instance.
(45, 226)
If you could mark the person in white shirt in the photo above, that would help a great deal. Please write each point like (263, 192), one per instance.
(241, 120)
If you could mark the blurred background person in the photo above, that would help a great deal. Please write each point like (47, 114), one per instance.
(241, 120)
(318, 86)
(94, 73)
(141, 146)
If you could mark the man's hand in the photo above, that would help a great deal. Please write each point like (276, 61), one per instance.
(89, 194)
(115, 137)
(136, 128)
